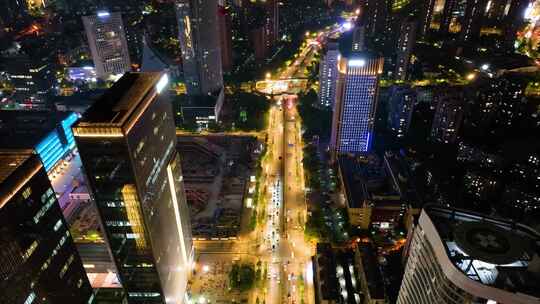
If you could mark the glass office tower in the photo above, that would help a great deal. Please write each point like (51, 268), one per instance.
(356, 103)
(127, 143)
(38, 259)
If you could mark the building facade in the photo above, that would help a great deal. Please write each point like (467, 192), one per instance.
(272, 22)
(513, 22)
(38, 261)
(401, 107)
(425, 17)
(377, 14)
(29, 77)
(200, 45)
(472, 21)
(328, 75)
(108, 45)
(448, 116)
(127, 144)
(225, 39)
(356, 103)
(405, 46)
(47, 133)
(457, 256)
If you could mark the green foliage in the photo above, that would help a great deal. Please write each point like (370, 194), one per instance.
(251, 111)
(242, 277)
(312, 167)
(315, 227)
(253, 220)
(317, 121)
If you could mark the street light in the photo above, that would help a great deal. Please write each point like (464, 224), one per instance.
(471, 76)
(268, 75)
(485, 67)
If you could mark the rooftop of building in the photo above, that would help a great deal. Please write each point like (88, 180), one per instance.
(15, 167)
(11, 160)
(372, 271)
(495, 252)
(80, 99)
(26, 129)
(120, 103)
(199, 101)
(337, 272)
(365, 179)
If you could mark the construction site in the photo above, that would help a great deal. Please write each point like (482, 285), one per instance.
(218, 173)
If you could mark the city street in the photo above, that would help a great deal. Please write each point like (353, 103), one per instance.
(278, 240)
(288, 253)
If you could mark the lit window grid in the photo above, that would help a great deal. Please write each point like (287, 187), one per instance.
(357, 113)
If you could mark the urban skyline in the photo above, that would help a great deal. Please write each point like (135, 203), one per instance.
(264, 151)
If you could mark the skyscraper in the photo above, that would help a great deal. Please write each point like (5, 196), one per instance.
(377, 14)
(448, 116)
(405, 45)
(472, 21)
(513, 21)
(356, 103)
(426, 14)
(272, 22)
(463, 257)
(127, 144)
(359, 34)
(447, 16)
(200, 44)
(225, 39)
(38, 261)
(108, 45)
(29, 77)
(401, 106)
(258, 39)
(328, 75)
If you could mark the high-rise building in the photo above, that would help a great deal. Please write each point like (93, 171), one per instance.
(513, 22)
(447, 16)
(107, 40)
(38, 261)
(400, 109)
(359, 34)
(47, 133)
(495, 9)
(472, 21)
(258, 39)
(425, 17)
(127, 144)
(448, 116)
(225, 39)
(457, 256)
(356, 103)
(377, 14)
(328, 75)
(272, 22)
(29, 77)
(405, 45)
(200, 44)
(155, 61)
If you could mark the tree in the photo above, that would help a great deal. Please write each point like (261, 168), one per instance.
(242, 277)
(317, 120)
(251, 111)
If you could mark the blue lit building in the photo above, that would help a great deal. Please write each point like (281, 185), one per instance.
(47, 133)
(356, 103)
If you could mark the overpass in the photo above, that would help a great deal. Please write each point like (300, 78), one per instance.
(281, 86)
